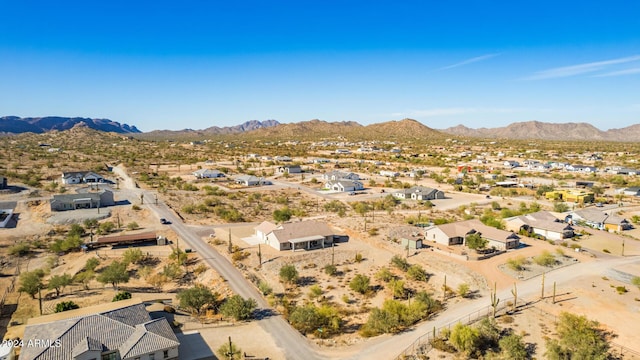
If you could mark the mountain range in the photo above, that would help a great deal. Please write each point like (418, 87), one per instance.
(406, 129)
(549, 131)
(16, 125)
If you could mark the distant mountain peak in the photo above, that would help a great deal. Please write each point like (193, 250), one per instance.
(16, 125)
(244, 127)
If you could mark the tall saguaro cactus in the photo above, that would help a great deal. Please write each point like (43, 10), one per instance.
(444, 289)
(554, 292)
(494, 300)
(542, 288)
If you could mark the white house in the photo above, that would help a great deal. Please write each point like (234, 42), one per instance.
(419, 193)
(78, 177)
(344, 185)
(248, 180)
(207, 174)
(296, 235)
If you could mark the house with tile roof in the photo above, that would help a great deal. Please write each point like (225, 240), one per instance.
(602, 220)
(541, 223)
(305, 235)
(120, 330)
(456, 234)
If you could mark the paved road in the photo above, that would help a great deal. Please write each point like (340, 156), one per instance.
(294, 345)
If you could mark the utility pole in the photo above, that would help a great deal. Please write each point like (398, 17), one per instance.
(259, 256)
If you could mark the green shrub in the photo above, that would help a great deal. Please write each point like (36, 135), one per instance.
(122, 295)
(65, 306)
(330, 270)
(400, 263)
(545, 259)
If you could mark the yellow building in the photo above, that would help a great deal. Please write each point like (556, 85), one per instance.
(578, 196)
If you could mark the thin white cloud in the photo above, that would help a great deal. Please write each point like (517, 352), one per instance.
(631, 71)
(579, 69)
(438, 112)
(469, 61)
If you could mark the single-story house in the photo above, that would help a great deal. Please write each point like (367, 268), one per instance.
(78, 177)
(3, 182)
(581, 168)
(82, 201)
(388, 173)
(249, 180)
(510, 164)
(296, 235)
(116, 330)
(207, 174)
(282, 158)
(340, 175)
(344, 185)
(419, 193)
(542, 223)
(602, 220)
(457, 232)
(290, 169)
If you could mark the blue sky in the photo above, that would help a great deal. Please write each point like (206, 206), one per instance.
(195, 64)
